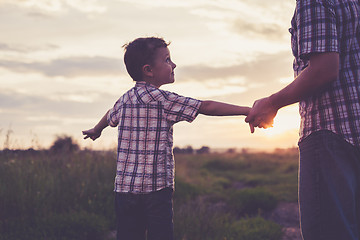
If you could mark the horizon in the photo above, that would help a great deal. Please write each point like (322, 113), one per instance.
(9, 144)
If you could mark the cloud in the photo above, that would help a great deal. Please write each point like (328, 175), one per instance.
(273, 67)
(229, 4)
(62, 106)
(88, 6)
(264, 69)
(68, 67)
(46, 117)
(270, 31)
(166, 3)
(26, 49)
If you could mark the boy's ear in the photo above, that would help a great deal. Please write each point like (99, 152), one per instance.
(146, 69)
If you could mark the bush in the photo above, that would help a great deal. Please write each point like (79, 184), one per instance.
(224, 165)
(254, 229)
(64, 144)
(251, 200)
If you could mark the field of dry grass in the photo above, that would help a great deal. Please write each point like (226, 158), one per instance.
(47, 195)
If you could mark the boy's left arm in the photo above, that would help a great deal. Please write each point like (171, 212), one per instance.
(213, 108)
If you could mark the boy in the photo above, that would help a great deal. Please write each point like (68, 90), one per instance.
(145, 115)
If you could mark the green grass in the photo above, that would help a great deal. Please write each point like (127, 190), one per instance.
(275, 172)
(69, 196)
(41, 193)
(254, 229)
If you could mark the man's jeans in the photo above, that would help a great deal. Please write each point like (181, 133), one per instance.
(148, 214)
(329, 188)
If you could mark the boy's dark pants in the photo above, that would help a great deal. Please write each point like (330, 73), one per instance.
(329, 188)
(148, 214)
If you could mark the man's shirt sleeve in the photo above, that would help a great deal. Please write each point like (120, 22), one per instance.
(316, 25)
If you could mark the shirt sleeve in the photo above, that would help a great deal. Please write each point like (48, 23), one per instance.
(316, 25)
(114, 114)
(178, 108)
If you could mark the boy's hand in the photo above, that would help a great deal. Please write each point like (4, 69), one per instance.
(91, 133)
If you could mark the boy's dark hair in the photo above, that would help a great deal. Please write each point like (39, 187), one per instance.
(140, 52)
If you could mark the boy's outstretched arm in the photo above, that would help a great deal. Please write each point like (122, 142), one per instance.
(95, 132)
(213, 108)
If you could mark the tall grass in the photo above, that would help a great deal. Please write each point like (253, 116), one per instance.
(43, 194)
(69, 195)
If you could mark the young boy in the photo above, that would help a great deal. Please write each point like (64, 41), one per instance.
(145, 116)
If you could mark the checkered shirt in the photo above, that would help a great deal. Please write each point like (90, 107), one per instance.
(330, 26)
(145, 116)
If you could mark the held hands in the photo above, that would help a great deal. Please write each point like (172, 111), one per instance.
(92, 134)
(262, 114)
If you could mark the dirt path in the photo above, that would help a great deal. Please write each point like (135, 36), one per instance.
(287, 215)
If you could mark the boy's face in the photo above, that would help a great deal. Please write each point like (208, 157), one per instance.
(162, 68)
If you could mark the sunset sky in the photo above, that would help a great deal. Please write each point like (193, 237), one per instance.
(61, 66)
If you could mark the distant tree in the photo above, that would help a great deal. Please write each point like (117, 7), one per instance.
(244, 151)
(231, 150)
(203, 150)
(177, 150)
(64, 144)
(187, 150)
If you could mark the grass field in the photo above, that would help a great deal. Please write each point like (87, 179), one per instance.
(66, 196)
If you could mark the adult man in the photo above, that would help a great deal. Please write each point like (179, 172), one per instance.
(326, 47)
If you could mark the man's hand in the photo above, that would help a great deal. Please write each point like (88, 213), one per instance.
(262, 114)
(323, 69)
(91, 133)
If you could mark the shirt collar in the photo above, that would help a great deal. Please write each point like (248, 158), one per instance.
(144, 84)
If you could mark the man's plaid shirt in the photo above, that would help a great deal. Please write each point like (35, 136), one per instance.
(330, 26)
(145, 116)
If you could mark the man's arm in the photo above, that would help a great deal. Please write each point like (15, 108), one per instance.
(213, 108)
(322, 70)
(95, 132)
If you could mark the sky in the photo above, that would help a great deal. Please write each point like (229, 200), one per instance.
(61, 66)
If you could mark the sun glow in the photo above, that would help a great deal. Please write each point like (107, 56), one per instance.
(62, 72)
(285, 122)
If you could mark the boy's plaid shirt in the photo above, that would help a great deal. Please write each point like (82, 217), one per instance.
(330, 26)
(145, 116)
